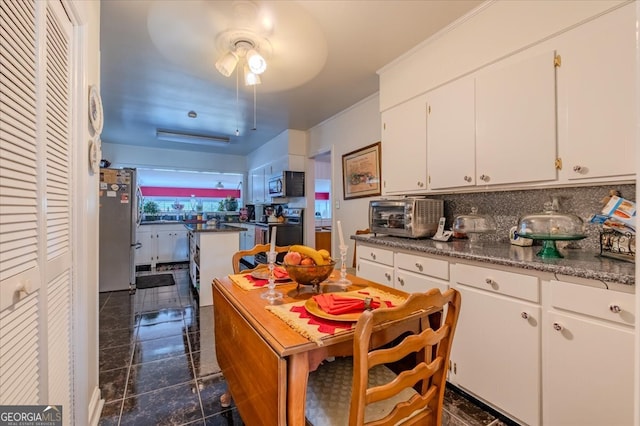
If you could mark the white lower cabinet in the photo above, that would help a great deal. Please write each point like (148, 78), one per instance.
(162, 244)
(375, 264)
(173, 245)
(408, 272)
(414, 273)
(539, 350)
(496, 353)
(588, 357)
(145, 253)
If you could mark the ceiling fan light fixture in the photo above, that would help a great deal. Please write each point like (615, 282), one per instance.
(250, 78)
(227, 63)
(257, 64)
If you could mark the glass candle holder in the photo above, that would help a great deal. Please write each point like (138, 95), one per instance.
(271, 294)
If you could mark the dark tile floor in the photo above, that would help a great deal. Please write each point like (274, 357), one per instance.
(158, 364)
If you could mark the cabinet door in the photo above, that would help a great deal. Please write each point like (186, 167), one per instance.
(451, 133)
(496, 352)
(165, 242)
(258, 185)
(588, 372)
(404, 147)
(146, 254)
(172, 246)
(596, 96)
(181, 246)
(376, 272)
(516, 121)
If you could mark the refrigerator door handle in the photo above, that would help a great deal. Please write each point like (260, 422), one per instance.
(136, 245)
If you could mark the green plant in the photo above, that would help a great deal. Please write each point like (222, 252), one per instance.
(151, 207)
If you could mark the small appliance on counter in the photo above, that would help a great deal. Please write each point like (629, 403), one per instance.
(517, 240)
(412, 217)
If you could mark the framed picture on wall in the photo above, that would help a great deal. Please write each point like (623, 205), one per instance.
(361, 172)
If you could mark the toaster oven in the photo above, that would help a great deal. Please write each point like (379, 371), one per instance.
(410, 217)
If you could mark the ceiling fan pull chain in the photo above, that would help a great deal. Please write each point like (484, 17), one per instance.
(254, 107)
(237, 105)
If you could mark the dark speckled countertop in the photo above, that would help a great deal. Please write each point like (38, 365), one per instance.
(221, 227)
(576, 262)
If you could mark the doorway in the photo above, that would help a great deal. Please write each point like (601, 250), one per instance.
(322, 201)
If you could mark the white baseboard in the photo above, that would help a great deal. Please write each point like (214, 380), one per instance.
(95, 407)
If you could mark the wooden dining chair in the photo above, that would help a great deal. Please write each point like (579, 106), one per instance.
(258, 248)
(365, 390)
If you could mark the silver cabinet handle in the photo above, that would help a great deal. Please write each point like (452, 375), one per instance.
(419, 266)
(468, 179)
(484, 178)
(489, 281)
(524, 315)
(616, 309)
(401, 281)
(577, 169)
(557, 326)
(373, 256)
(387, 276)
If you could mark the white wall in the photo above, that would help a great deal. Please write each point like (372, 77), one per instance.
(87, 404)
(289, 142)
(351, 129)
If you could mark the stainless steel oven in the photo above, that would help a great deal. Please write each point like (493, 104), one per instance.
(289, 232)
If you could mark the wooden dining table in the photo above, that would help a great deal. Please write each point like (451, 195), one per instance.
(265, 361)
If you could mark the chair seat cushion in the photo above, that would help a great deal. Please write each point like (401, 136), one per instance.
(329, 393)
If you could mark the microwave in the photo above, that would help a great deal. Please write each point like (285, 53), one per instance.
(411, 217)
(287, 184)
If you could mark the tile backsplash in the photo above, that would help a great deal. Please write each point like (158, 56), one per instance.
(507, 207)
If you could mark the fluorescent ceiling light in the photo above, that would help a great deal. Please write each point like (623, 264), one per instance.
(192, 138)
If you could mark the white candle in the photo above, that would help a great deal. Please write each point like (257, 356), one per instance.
(340, 234)
(273, 238)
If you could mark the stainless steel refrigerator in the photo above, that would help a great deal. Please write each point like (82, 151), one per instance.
(119, 214)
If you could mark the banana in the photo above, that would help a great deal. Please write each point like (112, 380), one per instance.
(309, 252)
(325, 254)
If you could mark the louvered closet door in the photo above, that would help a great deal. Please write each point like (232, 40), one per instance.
(35, 219)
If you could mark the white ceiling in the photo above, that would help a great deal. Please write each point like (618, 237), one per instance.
(157, 63)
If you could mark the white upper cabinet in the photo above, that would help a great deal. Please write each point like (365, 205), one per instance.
(451, 134)
(516, 120)
(495, 127)
(596, 97)
(404, 147)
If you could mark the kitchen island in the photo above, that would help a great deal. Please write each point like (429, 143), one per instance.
(211, 248)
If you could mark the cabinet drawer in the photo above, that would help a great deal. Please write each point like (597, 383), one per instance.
(375, 254)
(423, 265)
(596, 302)
(507, 283)
(417, 283)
